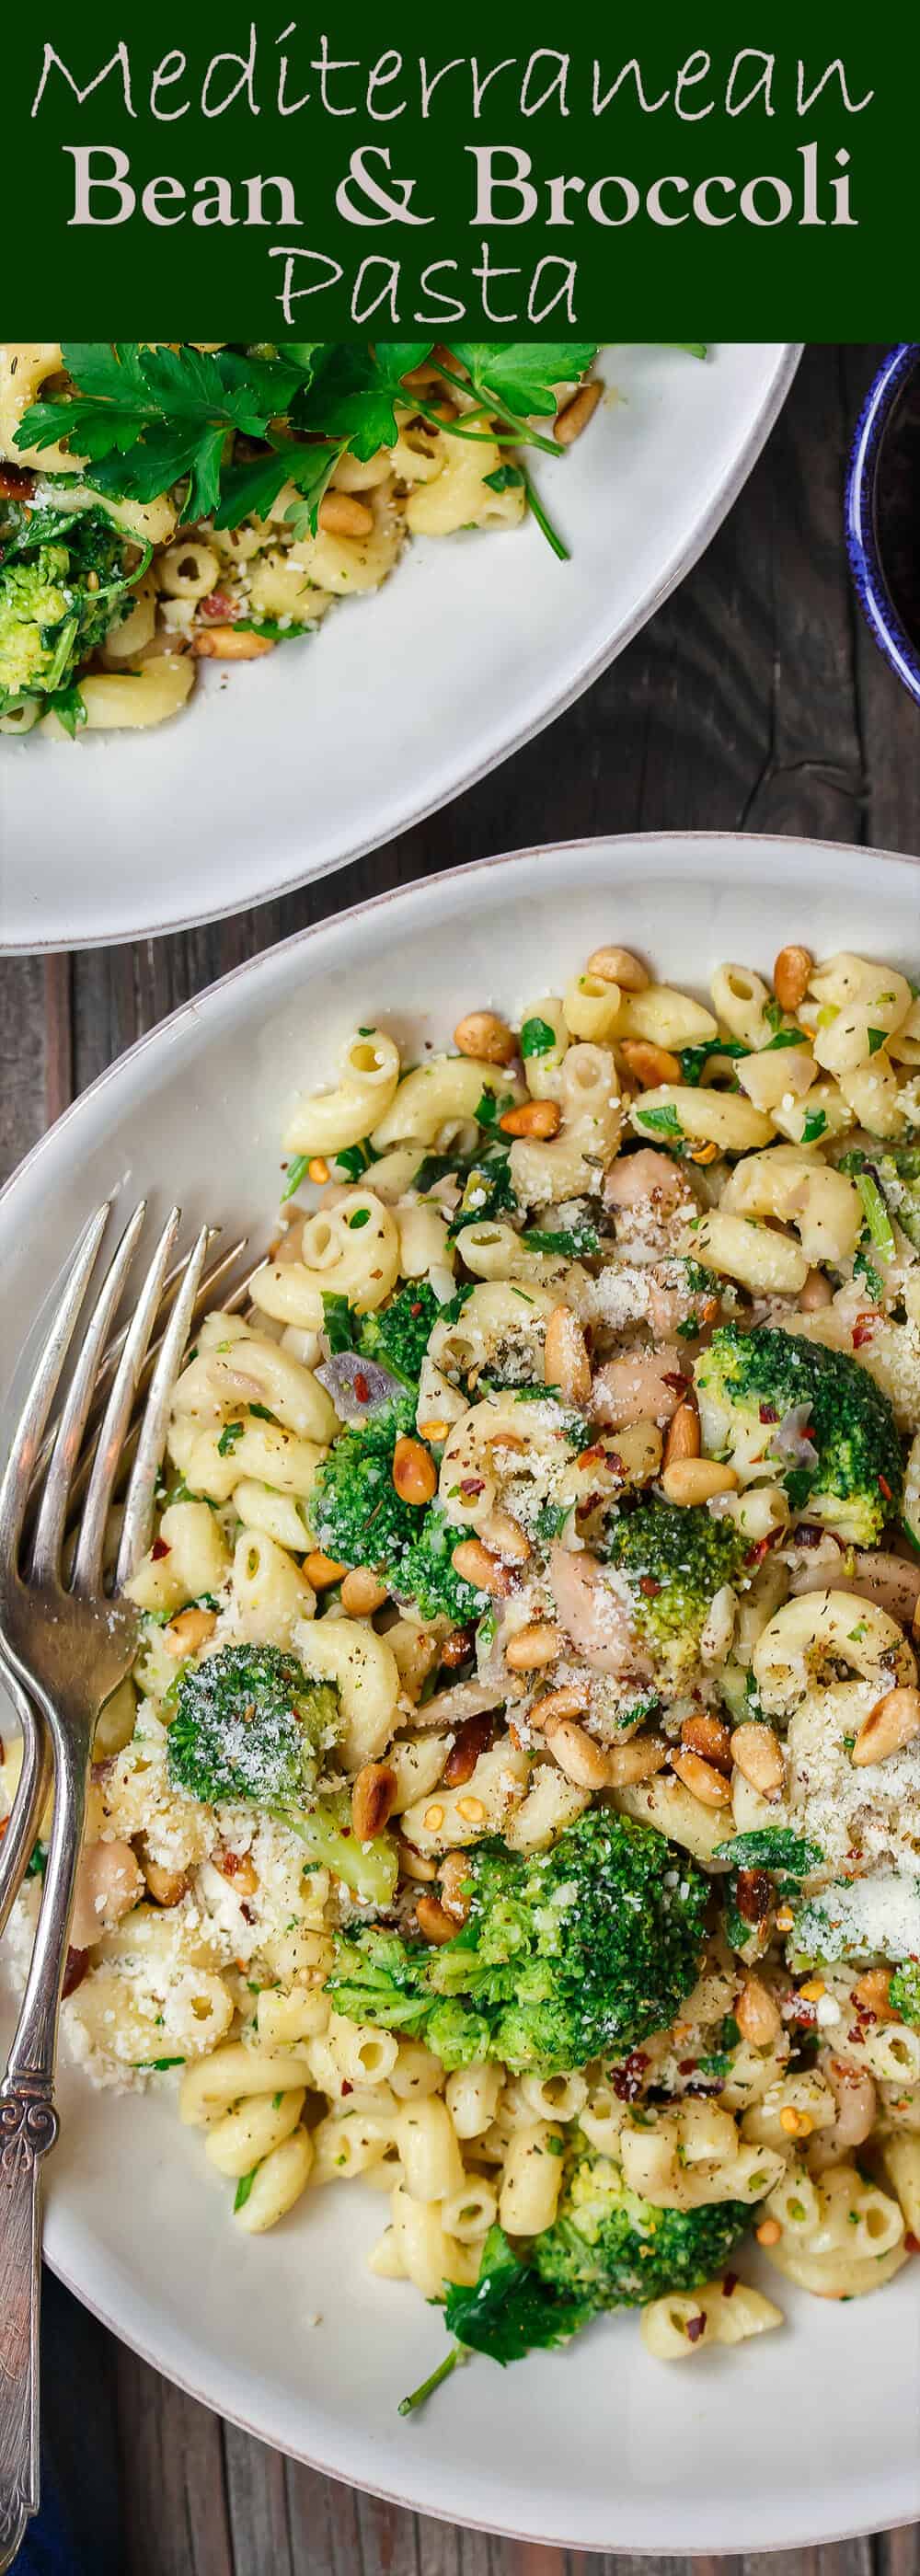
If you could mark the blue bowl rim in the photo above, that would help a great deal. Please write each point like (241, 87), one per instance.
(862, 543)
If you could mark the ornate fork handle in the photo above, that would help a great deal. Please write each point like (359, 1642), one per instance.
(28, 2127)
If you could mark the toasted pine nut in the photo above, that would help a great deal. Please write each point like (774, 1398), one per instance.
(578, 1756)
(873, 1992)
(456, 1648)
(541, 1118)
(539, 1644)
(757, 2015)
(769, 2231)
(892, 1723)
(318, 1170)
(618, 966)
(707, 1736)
(503, 1533)
(487, 1573)
(815, 1292)
(469, 1742)
(649, 1064)
(372, 1798)
(790, 977)
(361, 1592)
(433, 1919)
(340, 515)
(321, 1570)
(184, 1635)
(166, 1886)
(682, 1438)
(565, 1356)
(637, 1760)
(415, 1864)
(483, 1034)
(570, 422)
(711, 1787)
(239, 1869)
(456, 1888)
(415, 1475)
(694, 1480)
(229, 644)
(558, 1705)
(759, 1758)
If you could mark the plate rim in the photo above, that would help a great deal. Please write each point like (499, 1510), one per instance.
(689, 556)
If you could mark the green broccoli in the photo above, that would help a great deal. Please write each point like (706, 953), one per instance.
(64, 583)
(896, 1169)
(905, 1992)
(358, 1516)
(564, 1954)
(614, 2250)
(250, 1725)
(851, 1478)
(397, 1335)
(672, 1560)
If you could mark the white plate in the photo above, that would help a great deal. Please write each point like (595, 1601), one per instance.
(812, 2433)
(287, 769)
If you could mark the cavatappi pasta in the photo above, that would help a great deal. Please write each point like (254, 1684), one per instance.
(112, 589)
(551, 1511)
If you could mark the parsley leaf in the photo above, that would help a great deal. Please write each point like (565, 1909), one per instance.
(523, 374)
(296, 1172)
(572, 1243)
(243, 2189)
(337, 1322)
(509, 2311)
(813, 1126)
(231, 1433)
(538, 1038)
(663, 1122)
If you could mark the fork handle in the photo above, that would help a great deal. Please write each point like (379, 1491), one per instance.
(28, 2127)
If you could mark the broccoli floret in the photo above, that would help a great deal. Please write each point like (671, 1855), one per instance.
(673, 1560)
(397, 1335)
(748, 1382)
(358, 1516)
(905, 1992)
(64, 583)
(249, 1724)
(612, 2249)
(565, 1954)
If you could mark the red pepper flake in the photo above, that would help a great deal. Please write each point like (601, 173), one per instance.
(686, 2066)
(649, 1584)
(696, 2326)
(757, 1550)
(345, 2087)
(911, 2242)
(768, 1413)
(596, 1457)
(417, 1308)
(676, 1379)
(729, 2284)
(362, 1390)
(626, 2080)
(863, 1330)
(159, 1549)
(885, 1488)
(470, 1486)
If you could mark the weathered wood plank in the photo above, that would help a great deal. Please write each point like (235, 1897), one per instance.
(175, 2512)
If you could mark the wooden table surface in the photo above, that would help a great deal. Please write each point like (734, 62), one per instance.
(754, 701)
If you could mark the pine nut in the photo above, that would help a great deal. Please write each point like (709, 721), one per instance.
(456, 1886)
(618, 966)
(682, 1438)
(873, 1993)
(637, 1760)
(321, 1570)
(414, 1864)
(570, 422)
(578, 1756)
(707, 1736)
(415, 1475)
(695, 1480)
(709, 1786)
(890, 1725)
(815, 1292)
(505, 1535)
(340, 515)
(184, 1635)
(472, 1739)
(456, 1648)
(769, 2231)
(372, 1800)
(649, 1064)
(556, 1706)
(474, 1564)
(791, 977)
(361, 1592)
(239, 1869)
(534, 1646)
(318, 1170)
(229, 644)
(433, 1919)
(483, 1034)
(565, 1356)
(542, 1118)
(759, 1757)
(757, 2015)
(166, 1886)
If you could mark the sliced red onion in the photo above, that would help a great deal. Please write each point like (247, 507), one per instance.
(789, 1441)
(358, 1387)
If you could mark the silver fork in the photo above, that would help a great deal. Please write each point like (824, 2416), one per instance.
(67, 1645)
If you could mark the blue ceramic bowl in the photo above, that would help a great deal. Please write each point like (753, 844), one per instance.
(883, 512)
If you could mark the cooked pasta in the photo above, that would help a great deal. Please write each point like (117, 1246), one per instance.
(515, 1807)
